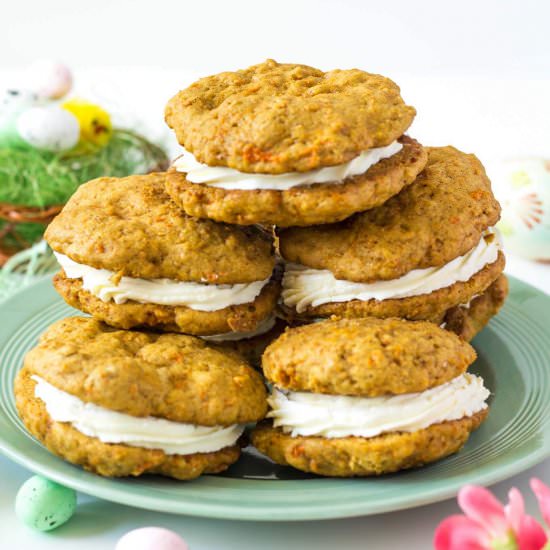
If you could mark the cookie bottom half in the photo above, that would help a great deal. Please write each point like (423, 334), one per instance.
(240, 318)
(425, 307)
(361, 457)
(302, 205)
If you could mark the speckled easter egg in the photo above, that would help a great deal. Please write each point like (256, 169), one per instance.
(49, 128)
(49, 79)
(95, 122)
(151, 538)
(523, 188)
(43, 504)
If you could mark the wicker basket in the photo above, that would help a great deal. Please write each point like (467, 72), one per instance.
(15, 214)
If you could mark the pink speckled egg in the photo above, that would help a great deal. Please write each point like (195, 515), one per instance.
(151, 538)
(49, 79)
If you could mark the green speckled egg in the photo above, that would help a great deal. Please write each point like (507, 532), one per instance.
(43, 504)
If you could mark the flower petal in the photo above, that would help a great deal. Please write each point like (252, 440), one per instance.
(515, 510)
(542, 492)
(460, 533)
(530, 535)
(483, 507)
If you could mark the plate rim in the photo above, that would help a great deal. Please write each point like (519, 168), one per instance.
(271, 512)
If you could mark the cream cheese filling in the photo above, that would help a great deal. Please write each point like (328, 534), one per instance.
(229, 178)
(311, 414)
(199, 296)
(148, 432)
(304, 287)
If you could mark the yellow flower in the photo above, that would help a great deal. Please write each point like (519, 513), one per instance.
(95, 122)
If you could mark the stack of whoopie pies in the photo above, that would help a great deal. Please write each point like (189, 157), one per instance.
(159, 398)
(391, 264)
(369, 222)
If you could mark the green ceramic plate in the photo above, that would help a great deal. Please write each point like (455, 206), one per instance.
(514, 359)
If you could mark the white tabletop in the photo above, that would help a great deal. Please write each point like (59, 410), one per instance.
(98, 524)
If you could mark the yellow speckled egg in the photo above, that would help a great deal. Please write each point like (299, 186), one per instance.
(95, 122)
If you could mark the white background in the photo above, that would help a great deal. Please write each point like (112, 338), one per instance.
(487, 38)
(478, 73)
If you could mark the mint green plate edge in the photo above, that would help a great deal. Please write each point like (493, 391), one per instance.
(520, 293)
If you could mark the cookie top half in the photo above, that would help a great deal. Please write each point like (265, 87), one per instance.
(366, 357)
(275, 118)
(130, 226)
(440, 216)
(170, 376)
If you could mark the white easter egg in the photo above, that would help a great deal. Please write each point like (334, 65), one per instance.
(49, 79)
(49, 128)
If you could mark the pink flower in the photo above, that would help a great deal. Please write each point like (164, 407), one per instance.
(529, 534)
(542, 492)
(487, 525)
